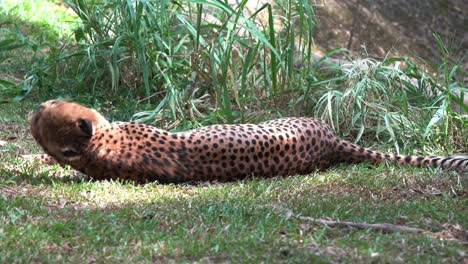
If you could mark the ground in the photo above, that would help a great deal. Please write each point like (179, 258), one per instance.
(53, 214)
(380, 27)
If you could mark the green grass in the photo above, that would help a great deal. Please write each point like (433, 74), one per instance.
(194, 72)
(32, 33)
(51, 214)
(50, 14)
(202, 62)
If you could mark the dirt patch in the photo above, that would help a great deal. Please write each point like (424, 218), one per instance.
(25, 190)
(398, 26)
(393, 193)
(453, 232)
(422, 190)
(12, 132)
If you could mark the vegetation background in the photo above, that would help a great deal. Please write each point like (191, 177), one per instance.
(385, 74)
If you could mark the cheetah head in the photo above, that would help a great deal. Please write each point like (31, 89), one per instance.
(64, 129)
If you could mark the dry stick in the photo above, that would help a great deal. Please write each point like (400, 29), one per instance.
(383, 227)
(8, 188)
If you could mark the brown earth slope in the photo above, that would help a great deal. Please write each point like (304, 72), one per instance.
(377, 27)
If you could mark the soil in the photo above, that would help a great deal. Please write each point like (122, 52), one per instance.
(380, 27)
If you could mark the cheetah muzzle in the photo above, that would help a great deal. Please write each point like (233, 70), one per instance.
(81, 137)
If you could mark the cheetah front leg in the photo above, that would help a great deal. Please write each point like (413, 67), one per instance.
(42, 158)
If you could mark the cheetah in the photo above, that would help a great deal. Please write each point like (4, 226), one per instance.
(75, 135)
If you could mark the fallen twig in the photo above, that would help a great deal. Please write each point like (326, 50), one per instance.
(8, 188)
(382, 227)
(451, 232)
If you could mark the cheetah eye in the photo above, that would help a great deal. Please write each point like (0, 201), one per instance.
(70, 154)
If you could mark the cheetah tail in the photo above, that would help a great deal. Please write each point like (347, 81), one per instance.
(353, 153)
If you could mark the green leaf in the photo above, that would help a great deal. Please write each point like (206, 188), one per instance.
(436, 118)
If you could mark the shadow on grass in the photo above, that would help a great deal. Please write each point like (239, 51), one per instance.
(21, 172)
(237, 221)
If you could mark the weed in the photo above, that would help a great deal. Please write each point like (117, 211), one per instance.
(186, 64)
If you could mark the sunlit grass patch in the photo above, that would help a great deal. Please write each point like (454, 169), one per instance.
(53, 214)
(52, 15)
(233, 221)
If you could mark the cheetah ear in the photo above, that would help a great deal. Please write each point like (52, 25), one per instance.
(85, 126)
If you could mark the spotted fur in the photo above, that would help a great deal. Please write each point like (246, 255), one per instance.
(82, 138)
(42, 158)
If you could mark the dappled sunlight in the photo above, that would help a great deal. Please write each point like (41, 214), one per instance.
(158, 62)
(55, 16)
(108, 194)
(338, 183)
(207, 220)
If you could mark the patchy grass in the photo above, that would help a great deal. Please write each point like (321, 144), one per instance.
(51, 214)
(52, 15)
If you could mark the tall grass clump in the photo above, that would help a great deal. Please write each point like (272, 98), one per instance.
(397, 102)
(197, 60)
(33, 34)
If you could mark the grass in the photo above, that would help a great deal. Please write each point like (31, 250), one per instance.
(184, 66)
(51, 214)
(402, 105)
(203, 62)
(50, 14)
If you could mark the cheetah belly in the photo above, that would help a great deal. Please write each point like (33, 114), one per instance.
(232, 152)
